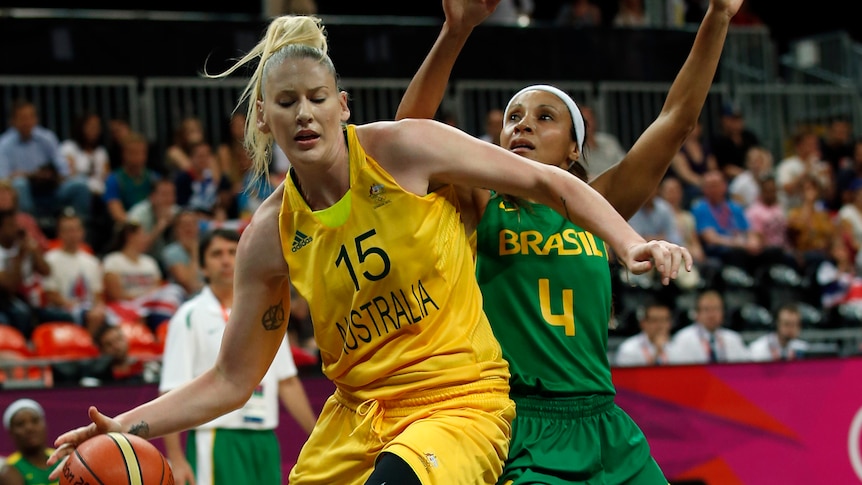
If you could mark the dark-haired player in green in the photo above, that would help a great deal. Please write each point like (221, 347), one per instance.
(545, 281)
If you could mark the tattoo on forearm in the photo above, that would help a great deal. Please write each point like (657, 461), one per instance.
(273, 317)
(566, 208)
(141, 429)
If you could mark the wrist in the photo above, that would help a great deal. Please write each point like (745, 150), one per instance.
(455, 32)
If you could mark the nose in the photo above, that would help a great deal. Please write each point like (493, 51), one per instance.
(523, 125)
(303, 111)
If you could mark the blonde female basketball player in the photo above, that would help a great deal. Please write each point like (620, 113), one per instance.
(367, 228)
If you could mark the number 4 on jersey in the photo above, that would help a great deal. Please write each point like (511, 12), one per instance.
(567, 318)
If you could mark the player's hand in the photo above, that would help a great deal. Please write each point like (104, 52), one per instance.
(665, 257)
(730, 7)
(67, 442)
(468, 13)
(182, 472)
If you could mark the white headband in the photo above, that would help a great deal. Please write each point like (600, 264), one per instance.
(18, 406)
(577, 118)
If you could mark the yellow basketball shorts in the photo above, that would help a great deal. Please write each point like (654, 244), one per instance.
(454, 436)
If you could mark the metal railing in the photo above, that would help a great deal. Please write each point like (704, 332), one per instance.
(773, 111)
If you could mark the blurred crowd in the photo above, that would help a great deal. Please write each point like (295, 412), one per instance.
(99, 229)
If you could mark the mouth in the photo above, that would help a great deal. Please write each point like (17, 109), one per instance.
(306, 136)
(521, 146)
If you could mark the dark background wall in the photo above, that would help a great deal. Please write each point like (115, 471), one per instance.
(182, 48)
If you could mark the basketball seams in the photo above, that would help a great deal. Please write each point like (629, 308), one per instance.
(134, 473)
(135, 465)
(87, 466)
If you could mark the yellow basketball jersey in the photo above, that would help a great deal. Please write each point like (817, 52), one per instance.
(391, 289)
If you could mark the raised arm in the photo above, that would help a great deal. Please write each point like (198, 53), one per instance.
(254, 332)
(421, 153)
(629, 184)
(428, 86)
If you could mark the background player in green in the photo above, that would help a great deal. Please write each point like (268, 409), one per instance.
(545, 281)
(24, 419)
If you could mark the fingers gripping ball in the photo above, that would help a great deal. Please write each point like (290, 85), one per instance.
(116, 459)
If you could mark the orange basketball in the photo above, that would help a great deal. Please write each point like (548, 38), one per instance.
(116, 459)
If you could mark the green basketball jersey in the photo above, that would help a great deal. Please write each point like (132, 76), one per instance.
(547, 293)
(32, 474)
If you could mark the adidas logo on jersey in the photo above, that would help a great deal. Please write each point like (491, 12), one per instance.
(300, 240)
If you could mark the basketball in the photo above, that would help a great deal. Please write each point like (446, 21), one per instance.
(116, 459)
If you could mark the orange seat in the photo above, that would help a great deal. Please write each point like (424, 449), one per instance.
(141, 339)
(13, 342)
(63, 340)
(162, 335)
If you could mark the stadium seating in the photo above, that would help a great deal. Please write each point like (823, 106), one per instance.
(13, 342)
(142, 341)
(63, 340)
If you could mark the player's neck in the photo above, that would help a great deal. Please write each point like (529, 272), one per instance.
(224, 294)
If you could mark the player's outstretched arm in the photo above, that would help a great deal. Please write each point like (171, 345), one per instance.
(428, 86)
(254, 332)
(419, 153)
(630, 183)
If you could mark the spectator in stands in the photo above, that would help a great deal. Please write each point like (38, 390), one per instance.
(233, 158)
(768, 222)
(603, 150)
(850, 218)
(847, 175)
(744, 189)
(21, 267)
(631, 13)
(838, 279)
(784, 342)
(810, 227)
(86, 155)
(579, 13)
(194, 337)
(132, 182)
(671, 191)
(115, 365)
(805, 160)
(30, 157)
(493, 126)
(836, 145)
(202, 187)
(134, 287)
(178, 156)
(655, 220)
(9, 202)
(734, 140)
(156, 215)
(722, 226)
(692, 161)
(180, 258)
(24, 420)
(705, 340)
(76, 282)
(650, 346)
(118, 129)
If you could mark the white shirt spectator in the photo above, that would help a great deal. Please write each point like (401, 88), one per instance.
(767, 348)
(93, 167)
(637, 350)
(136, 277)
(77, 277)
(691, 345)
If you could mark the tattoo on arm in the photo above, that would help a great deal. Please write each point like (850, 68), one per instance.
(141, 429)
(273, 317)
